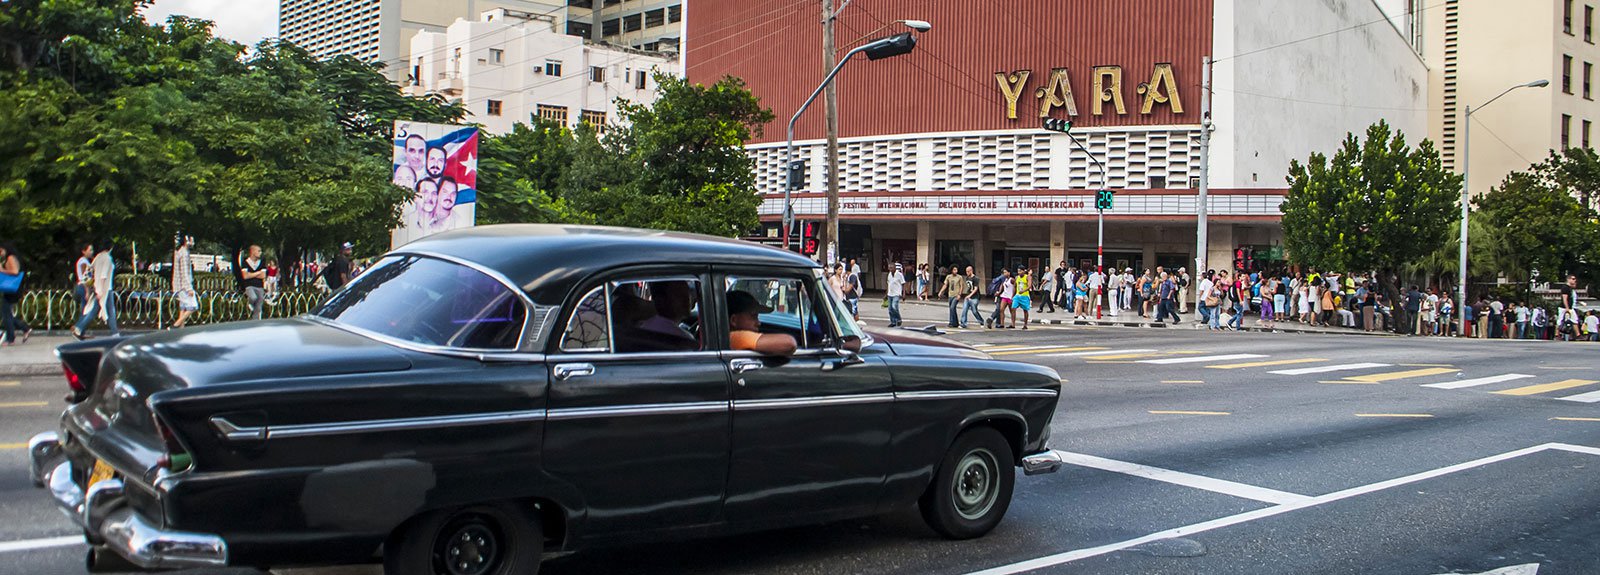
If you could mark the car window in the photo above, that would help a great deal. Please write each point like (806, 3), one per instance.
(637, 315)
(840, 314)
(430, 301)
(791, 303)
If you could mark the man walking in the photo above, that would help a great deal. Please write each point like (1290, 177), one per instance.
(954, 287)
(969, 303)
(1097, 282)
(1183, 289)
(339, 271)
(1047, 290)
(253, 277)
(104, 302)
(896, 289)
(1020, 299)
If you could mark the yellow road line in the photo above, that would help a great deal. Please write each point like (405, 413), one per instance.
(4, 446)
(1170, 412)
(1394, 375)
(1575, 419)
(1393, 415)
(1563, 367)
(24, 404)
(1426, 365)
(1267, 363)
(1543, 387)
(1349, 382)
(1182, 381)
(1002, 347)
(12, 383)
(1047, 350)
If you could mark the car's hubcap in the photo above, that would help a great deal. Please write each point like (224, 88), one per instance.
(467, 546)
(977, 484)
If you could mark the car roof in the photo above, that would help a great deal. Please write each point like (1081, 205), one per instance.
(546, 259)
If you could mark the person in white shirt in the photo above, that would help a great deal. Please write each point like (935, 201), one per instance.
(1114, 292)
(104, 298)
(183, 281)
(896, 290)
(1097, 281)
(1205, 290)
(1591, 325)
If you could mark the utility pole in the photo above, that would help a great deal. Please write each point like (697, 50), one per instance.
(1200, 243)
(831, 111)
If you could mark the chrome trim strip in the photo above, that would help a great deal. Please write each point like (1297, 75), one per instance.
(1041, 463)
(463, 352)
(603, 358)
(786, 403)
(643, 409)
(151, 547)
(44, 454)
(956, 394)
(372, 425)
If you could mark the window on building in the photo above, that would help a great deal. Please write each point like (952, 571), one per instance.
(494, 107)
(613, 2)
(552, 68)
(597, 74)
(652, 46)
(594, 118)
(675, 13)
(1566, 16)
(1585, 135)
(556, 114)
(639, 84)
(1588, 75)
(1566, 131)
(632, 23)
(1588, 24)
(653, 18)
(497, 56)
(579, 29)
(1158, 182)
(581, 3)
(611, 27)
(1566, 74)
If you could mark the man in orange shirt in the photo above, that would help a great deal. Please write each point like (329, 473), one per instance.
(744, 321)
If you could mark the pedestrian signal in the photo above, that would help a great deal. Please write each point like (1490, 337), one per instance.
(1103, 199)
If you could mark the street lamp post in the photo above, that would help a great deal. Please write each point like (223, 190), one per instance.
(878, 49)
(1466, 195)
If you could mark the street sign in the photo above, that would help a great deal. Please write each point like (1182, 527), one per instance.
(1103, 199)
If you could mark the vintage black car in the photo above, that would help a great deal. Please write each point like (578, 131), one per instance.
(482, 397)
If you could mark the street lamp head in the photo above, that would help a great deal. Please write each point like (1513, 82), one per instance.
(918, 25)
(895, 45)
(1537, 84)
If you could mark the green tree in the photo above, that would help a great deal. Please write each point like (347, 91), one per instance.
(519, 175)
(1540, 224)
(1377, 204)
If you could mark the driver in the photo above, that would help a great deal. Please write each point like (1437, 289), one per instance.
(744, 319)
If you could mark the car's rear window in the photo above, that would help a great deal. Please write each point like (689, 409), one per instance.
(430, 301)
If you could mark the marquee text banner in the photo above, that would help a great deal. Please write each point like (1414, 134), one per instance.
(912, 204)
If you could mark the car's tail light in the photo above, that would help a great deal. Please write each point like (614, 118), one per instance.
(176, 458)
(73, 381)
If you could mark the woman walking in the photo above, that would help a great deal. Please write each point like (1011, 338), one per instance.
(183, 281)
(103, 302)
(83, 270)
(11, 265)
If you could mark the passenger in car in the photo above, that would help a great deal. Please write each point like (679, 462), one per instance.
(744, 321)
(664, 331)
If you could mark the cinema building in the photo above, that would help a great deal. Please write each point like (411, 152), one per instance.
(942, 157)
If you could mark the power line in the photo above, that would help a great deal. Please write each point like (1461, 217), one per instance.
(1502, 141)
(1322, 35)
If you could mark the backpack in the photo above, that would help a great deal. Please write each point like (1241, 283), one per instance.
(994, 285)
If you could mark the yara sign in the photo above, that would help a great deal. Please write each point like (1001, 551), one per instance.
(1106, 82)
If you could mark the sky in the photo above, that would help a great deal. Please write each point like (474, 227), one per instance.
(243, 21)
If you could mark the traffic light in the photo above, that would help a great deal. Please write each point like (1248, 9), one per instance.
(797, 174)
(1057, 125)
(1103, 199)
(808, 238)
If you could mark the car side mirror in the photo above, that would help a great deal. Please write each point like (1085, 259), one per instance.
(846, 358)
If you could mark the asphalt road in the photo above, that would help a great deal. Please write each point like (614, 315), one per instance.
(1192, 452)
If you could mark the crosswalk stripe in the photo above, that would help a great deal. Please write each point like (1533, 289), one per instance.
(1543, 387)
(1590, 397)
(1203, 358)
(1458, 384)
(1328, 368)
(1043, 350)
(1267, 363)
(1095, 354)
(1408, 374)
(1183, 412)
(1122, 356)
(1023, 347)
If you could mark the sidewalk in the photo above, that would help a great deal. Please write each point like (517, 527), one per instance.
(37, 357)
(938, 311)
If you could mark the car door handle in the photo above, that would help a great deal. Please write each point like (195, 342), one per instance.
(745, 365)
(568, 371)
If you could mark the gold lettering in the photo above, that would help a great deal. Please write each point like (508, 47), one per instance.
(1160, 89)
(1056, 92)
(1111, 93)
(1011, 88)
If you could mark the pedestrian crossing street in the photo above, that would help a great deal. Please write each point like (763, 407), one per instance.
(1434, 376)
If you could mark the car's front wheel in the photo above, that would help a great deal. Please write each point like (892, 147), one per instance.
(500, 539)
(972, 489)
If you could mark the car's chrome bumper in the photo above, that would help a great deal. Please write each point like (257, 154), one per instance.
(107, 520)
(1040, 463)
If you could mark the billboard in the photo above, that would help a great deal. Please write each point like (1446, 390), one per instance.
(439, 164)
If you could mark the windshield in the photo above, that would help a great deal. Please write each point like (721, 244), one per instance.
(844, 324)
(432, 302)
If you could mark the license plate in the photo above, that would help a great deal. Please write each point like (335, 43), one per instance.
(101, 472)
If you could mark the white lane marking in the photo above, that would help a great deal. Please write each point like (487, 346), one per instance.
(1458, 384)
(1231, 520)
(1328, 368)
(1591, 397)
(1028, 347)
(1222, 486)
(1101, 352)
(1523, 569)
(1203, 358)
(31, 544)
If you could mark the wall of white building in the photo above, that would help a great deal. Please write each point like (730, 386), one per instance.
(530, 67)
(1291, 99)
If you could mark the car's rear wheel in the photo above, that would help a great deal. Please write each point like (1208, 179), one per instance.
(499, 539)
(972, 488)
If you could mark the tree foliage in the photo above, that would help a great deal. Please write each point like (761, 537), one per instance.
(1539, 223)
(1375, 205)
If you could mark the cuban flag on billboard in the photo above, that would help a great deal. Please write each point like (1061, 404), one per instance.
(438, 163)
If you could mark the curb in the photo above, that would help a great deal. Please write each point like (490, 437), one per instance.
(26, 369)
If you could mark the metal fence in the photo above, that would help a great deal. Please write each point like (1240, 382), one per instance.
(57, 309)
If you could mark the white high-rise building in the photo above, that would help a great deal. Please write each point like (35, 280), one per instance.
(381, 30)
(510, 67)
